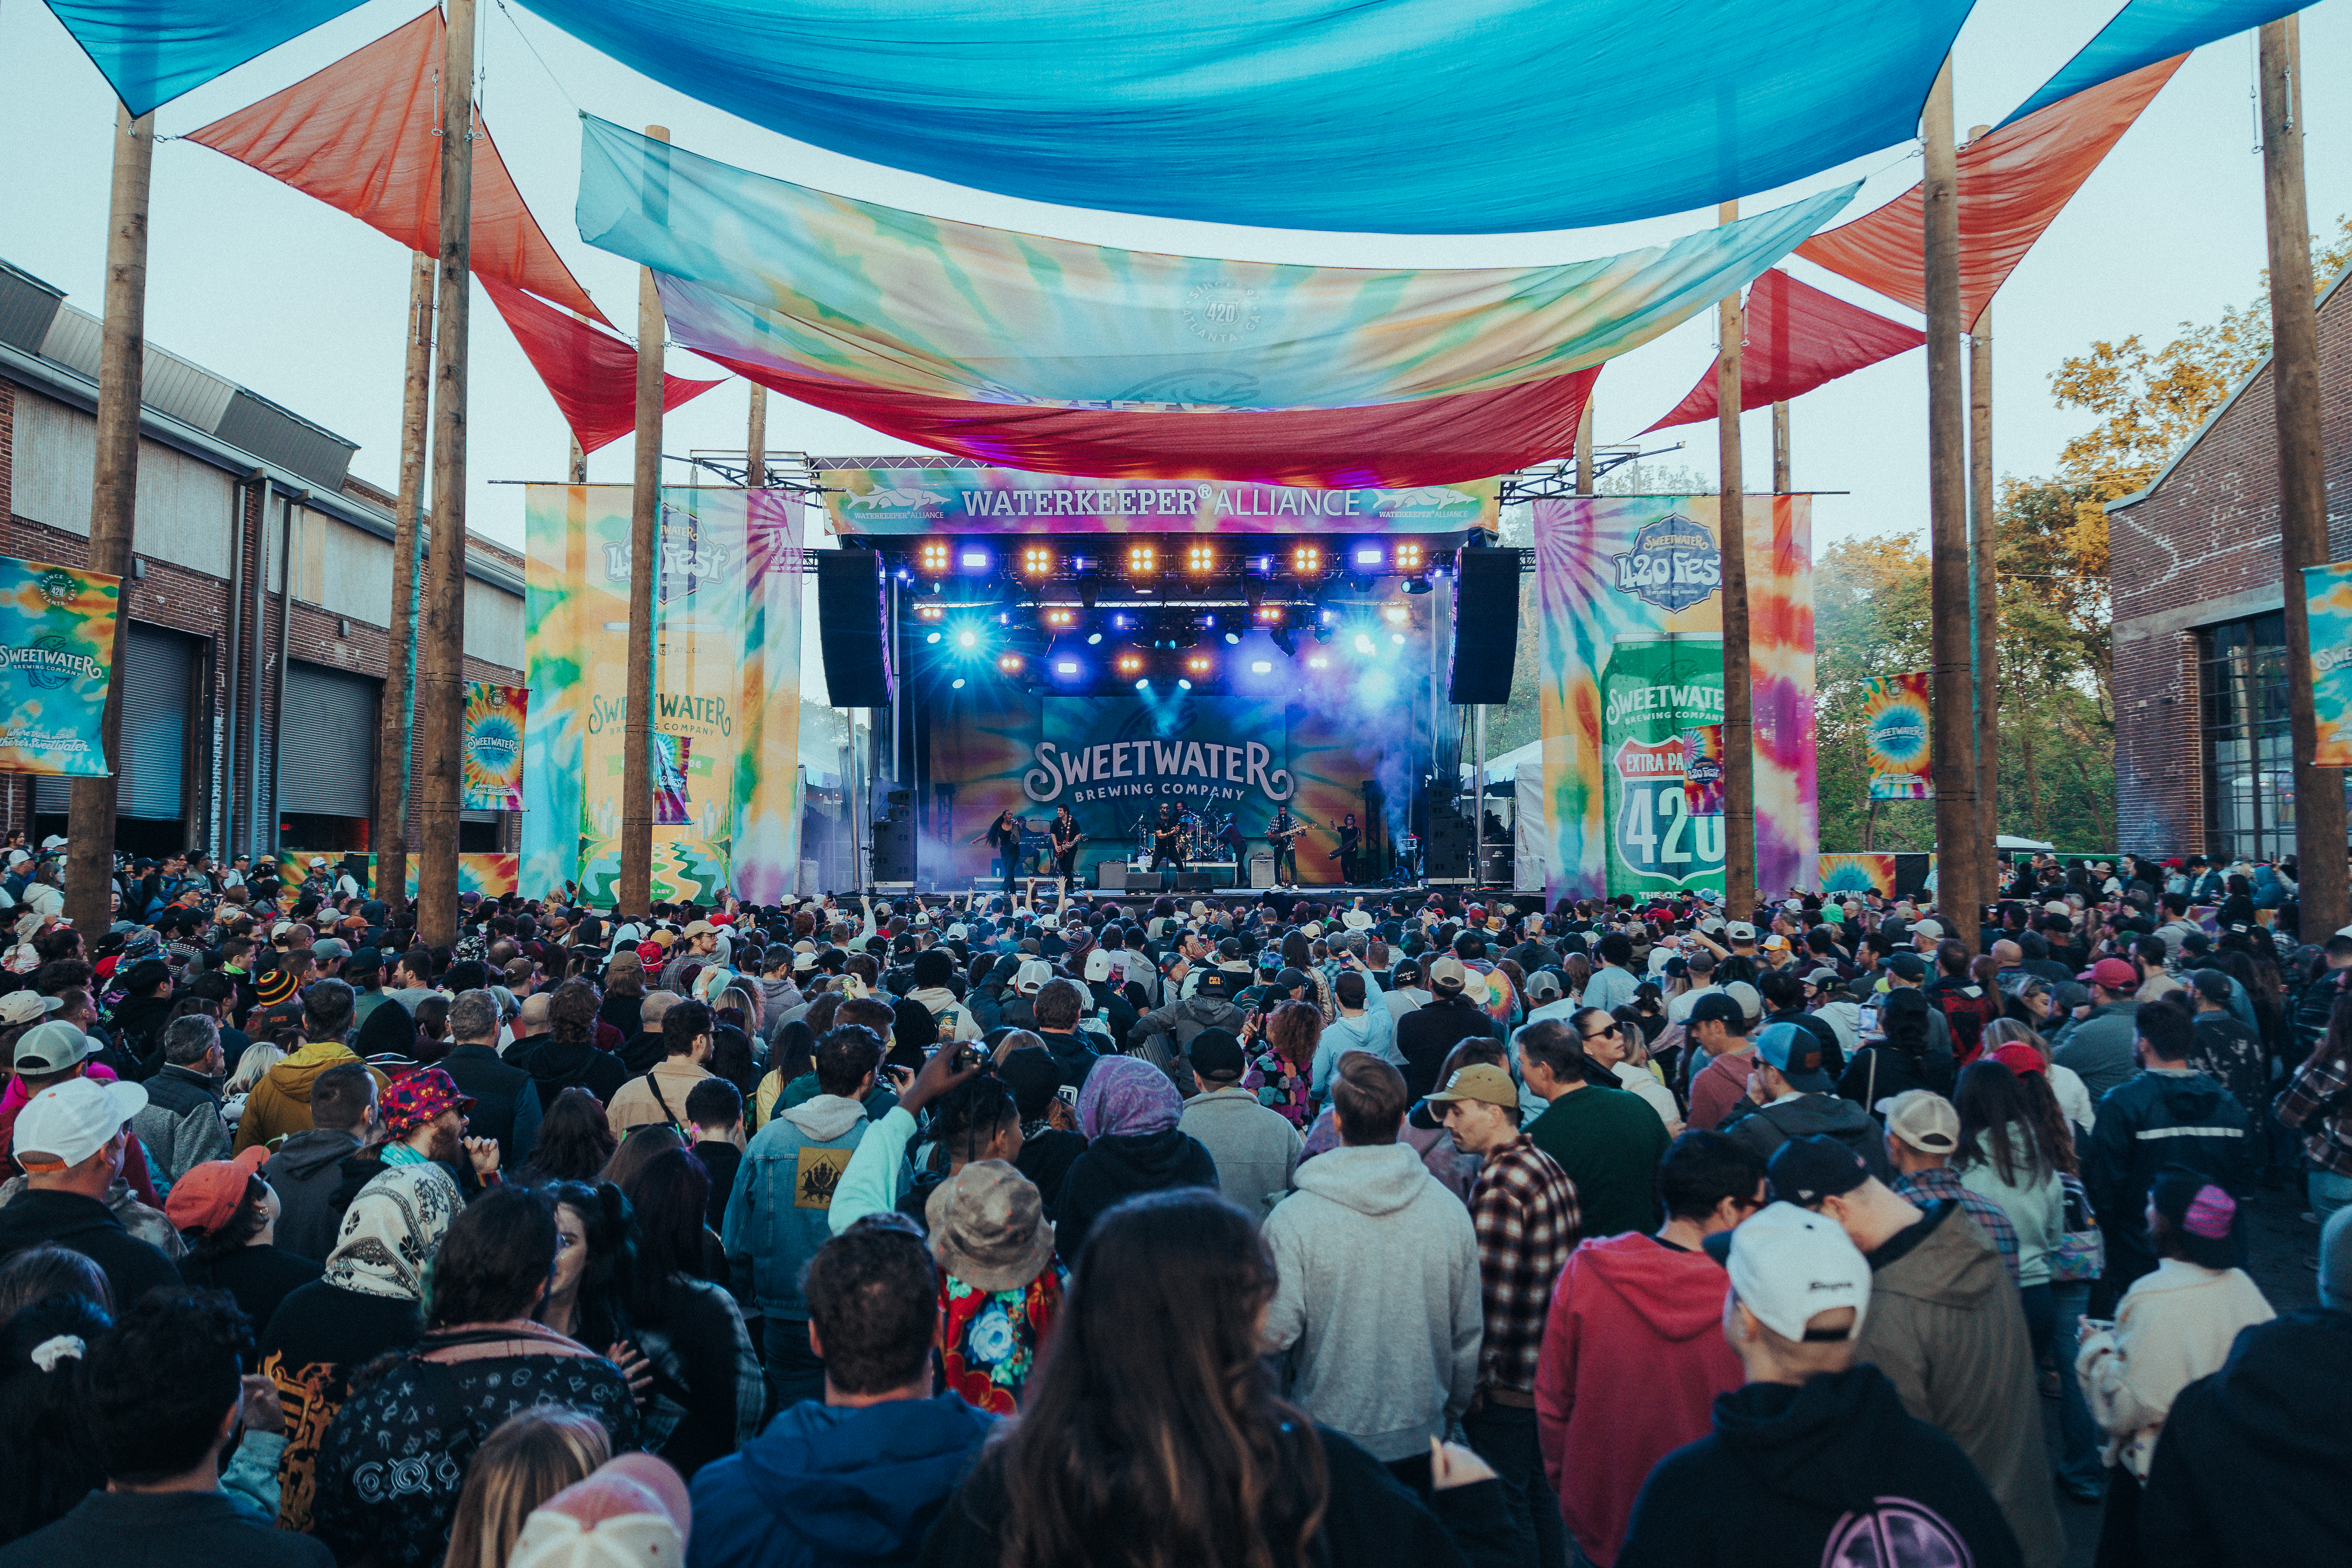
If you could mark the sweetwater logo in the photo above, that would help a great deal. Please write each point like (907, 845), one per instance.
(59, 586)
(1673, 564)
(2328, 660)
(49, 663)
(1146, 769)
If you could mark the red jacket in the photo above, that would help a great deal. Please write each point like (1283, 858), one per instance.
(1632, 1358)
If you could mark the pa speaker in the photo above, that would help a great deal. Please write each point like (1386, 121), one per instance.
(850, 623)
(894, 850)
(1447, 849)
(1486, 626)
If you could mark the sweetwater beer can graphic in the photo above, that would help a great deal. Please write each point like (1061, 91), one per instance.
(1654, 689)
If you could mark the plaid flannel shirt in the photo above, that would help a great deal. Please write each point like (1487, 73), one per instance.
(1524, 1208)
(1941, 1182)
(2318, 1104)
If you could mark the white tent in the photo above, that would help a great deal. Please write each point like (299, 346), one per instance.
(1505, 768)
(2005, 841)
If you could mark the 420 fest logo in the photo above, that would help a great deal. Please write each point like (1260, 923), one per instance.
(1673, 564)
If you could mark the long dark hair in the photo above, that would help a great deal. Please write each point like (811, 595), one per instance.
(969, 1115)
(1151, 1435)
(597, 1317)
(575, 1138)
(50, 1450)
(669, 1203)
(1997, 1124)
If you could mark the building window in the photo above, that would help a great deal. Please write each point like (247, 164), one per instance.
(2248, 749)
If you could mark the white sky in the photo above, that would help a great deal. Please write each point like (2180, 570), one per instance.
(305, 305)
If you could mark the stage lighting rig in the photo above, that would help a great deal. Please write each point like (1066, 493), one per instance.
(974, 561)
(1306, 562)
(1060, 617)
(1009, 664)
(1142, 562)
(930, 610)
(1199, 665)
(1269, 615)
(1407, 556)
(1281, 639)
(1128, 662)
(1035, 562)
(1199, 559)
(935, 557)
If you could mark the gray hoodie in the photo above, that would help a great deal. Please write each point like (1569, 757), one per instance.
(1377, 1299)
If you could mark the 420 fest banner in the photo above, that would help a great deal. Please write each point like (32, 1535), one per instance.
(1630, 667)
(57, 655)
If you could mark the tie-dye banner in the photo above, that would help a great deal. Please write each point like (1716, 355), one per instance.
(1897, 876)
(490, 875)
(727, 639)
(2327, 600)
(1896, 735)
(493, 745)
(1006, 501)
(57, 655)
(1703, 771)
(1631, 656)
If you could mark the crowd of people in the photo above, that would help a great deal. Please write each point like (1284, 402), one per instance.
(1399, 1230)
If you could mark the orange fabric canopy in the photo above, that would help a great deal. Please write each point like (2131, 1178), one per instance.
(1798, 337)
(2013, 183)
(359, 135)
(591, 373)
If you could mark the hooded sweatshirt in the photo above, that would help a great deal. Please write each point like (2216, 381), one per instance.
(280, 1102)
(825, 1484)
(1117, 1167)
(1830, 1472)
(1633, 1357)
(2250, 1470)
(1764, 1128)
(1377, 1298)
(1946, 1326)
(778, 1216)
(306, 1173)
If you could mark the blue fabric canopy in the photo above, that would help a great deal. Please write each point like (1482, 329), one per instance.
(2147, 31)
(152, 51)
(1398, 116)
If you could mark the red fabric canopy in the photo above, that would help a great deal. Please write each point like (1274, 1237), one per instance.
(1428, 441)
(1798, 338)
(2013, 183)
(359, 135)
(591, 373)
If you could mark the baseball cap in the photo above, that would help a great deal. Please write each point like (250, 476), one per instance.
(1929, 927)
(1925, 1120)
(1212, 983)
(1030, 977)
(2114, 973)
(1907, 966)
(1715, 1007)
(52, 1046)
(2212, 984)
(1292, 980)
(1796, 1054)
(2018, 1058)
(1751, 1002)
(1217, 1053)
(1789, 1266)
(698, 927)
(1741, 930)
(1776, 943)
(208, 1196)
(1447, 973)
(1480, 1081)
(24, 1007)
(1099, 965)
(1823, 976)
(1542, 982)
(1804, 1171)
(71, 1121)
(632, 1511)
(331, 947)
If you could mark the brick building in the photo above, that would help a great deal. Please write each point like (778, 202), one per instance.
(2202, 748)
(222, 642)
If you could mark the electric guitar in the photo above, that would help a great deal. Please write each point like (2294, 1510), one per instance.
(1062, 847)
(1280, 837)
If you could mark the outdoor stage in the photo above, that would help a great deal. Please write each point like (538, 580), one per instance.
(1142, 896)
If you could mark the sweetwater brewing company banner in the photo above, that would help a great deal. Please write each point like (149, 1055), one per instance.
(2327, 598)
(1632, 658)
(727, 643)
(942, 501)
(493, 746)
(56, 655)
(1894, 730)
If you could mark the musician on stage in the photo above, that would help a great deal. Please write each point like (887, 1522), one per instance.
(1003, 837)
(1066, 839)
(1283, 834)
(1350, 841)
(1168, 843)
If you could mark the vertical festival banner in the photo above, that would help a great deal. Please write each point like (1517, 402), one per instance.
(727, 639)
(57, 655)
(1703, 771)
(1632, 658)
(1896, 735)
(493, 746)
(2327, 599)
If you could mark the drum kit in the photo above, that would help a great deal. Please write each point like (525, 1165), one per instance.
(1208, 837)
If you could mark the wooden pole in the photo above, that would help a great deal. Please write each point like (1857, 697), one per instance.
(1584, 448)
(1731, 522)
(2302, 487)
(635, 893)
(1985, 599)
(1780, 447)
(397, 725)
(578, 470)
(441, 683)
(755, 441)
(1959, 846)
(114, 505)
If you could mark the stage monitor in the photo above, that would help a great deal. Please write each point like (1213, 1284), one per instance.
(1485, 627)
(850, 622)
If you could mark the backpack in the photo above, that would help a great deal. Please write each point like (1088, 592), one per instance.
(1968, 1009)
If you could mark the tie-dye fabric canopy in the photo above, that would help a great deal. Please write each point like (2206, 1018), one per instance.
(1798, 339)
(761, 271)
(2147, 31)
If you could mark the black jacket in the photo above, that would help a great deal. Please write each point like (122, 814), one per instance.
(1118, 1166)
(2147, 1123)
(498, 1090)
(2250, 1468)
(1047, 1158)
(1076, 1055)
(306, 1174)
(1764, 1128)
(257, 1278)
(165, 1530)
(137, 1024)
(1428, 1034)
(1798, 1476)
(87, 1227)
(556, 1066)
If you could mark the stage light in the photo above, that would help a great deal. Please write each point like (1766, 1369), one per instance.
(930, 610)
(966, 640)
(1009, 664)
(1261, 667)
(1408, 555)
(1200, 663)
(1036, 561)
(957, 684)
(1281, 639)
(1368, 555)
(932, 638)
(1254, 594)
(1395, 615)
(1417, 584)
(1364, 584)
(1094, 639)
(1233, 639)
(1061, 616)
(1306, 561)
(1328, 617)
(933, 556)
(1090, 585)
(1270, 615)
(1128, 662)
(1143, 686)
(1397, 638)
(1319, 662)
(1199, 559)
(1326, 632)
(1122, 623)
(1363, 644)
(974, 561)
(1142, 560)
(1066, 666)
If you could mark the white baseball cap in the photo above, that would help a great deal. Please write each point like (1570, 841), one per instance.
(26, 1007)
(1928, 927)
(70, 1122)
(1099, 965)
(1741, 930)
(1789, 1265)
(1030, 977)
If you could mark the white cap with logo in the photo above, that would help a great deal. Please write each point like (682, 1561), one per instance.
(1789, 1266)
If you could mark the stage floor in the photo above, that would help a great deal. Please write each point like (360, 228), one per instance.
(1378, 893)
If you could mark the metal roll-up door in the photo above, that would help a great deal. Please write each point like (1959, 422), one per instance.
(157, 669)
(327, 765)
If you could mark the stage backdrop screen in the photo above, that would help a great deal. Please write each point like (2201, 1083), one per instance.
(1631, 659)
(727, 625)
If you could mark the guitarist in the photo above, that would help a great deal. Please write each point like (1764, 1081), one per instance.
(1066, 839)
(1283, 834)
(1168, 843)
(1351, 839)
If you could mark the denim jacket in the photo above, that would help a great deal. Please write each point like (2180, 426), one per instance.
(784, 1194)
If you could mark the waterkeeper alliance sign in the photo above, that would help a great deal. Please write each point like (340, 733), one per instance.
(996, 501)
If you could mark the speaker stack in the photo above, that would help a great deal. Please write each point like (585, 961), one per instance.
(851, 625)
(893, 841)
(1486, 626)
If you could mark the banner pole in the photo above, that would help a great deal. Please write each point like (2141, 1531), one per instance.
(755, 441)
(397, 724)
(1739, 891)
(1985, 600)
(114, 505)
(2303, 485)
(635, 894)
